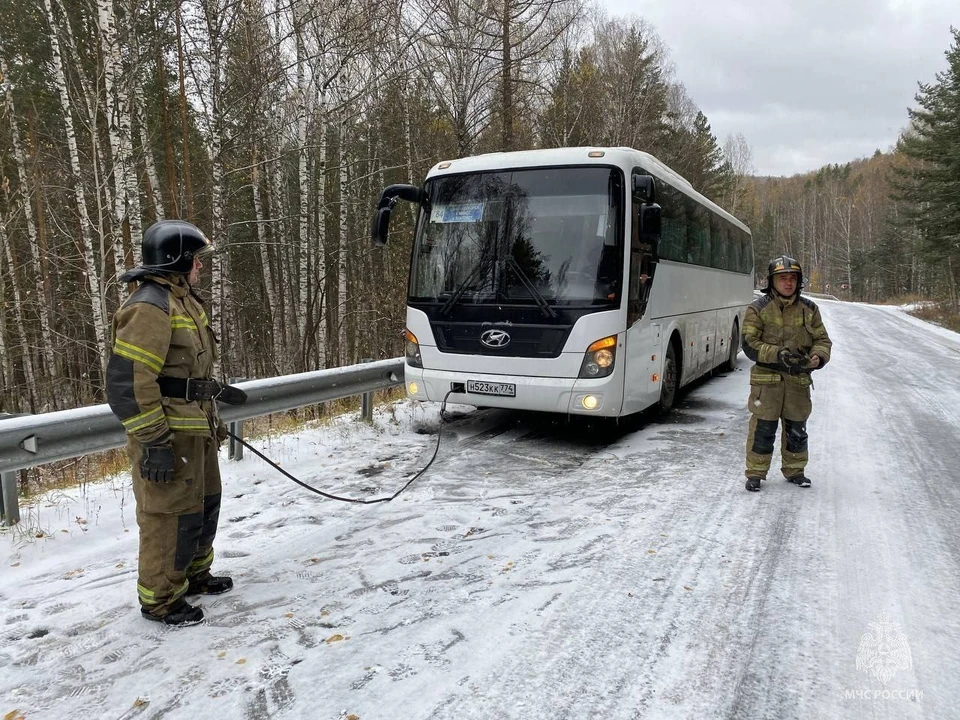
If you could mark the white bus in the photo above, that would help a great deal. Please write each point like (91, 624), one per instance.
(582, 281)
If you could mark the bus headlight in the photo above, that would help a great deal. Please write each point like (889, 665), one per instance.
(599, 359)
(412, 350)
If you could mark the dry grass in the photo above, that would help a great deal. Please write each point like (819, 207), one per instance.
(91, 468)
(907, 299)
(942, 314)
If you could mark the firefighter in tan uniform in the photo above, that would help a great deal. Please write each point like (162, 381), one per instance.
(784, 335)
(159, 385)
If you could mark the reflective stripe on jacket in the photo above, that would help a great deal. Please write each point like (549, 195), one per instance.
(161, 330)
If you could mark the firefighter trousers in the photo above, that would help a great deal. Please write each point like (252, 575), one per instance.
(177, 520)
(778, 400)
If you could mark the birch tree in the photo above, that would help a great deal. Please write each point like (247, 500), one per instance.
(43, 297)
(19, 319)
(94, 285)
(739, 158)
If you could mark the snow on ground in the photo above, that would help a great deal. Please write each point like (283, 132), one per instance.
(538, 569)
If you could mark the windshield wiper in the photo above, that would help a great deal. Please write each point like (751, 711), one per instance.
(531, 288)
(478, 269)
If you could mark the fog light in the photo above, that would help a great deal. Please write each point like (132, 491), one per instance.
(590, 402)
(413, 388)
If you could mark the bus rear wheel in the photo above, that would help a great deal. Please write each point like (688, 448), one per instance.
(669, 381)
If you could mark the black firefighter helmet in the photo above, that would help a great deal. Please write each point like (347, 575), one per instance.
(169, 246)
(781, 266)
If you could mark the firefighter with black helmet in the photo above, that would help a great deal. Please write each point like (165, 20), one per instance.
(784, 335)
(160, 386)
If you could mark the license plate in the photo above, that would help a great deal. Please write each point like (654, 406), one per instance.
(491, 388)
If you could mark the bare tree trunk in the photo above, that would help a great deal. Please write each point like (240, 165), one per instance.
(184, 126)
(280, 235)
(6, 371)
(43, 297)
(42, 230)
(223, 309)
(95, 286)
(126, 204)
(265, 260)
(341, 304)
(506, 82)
(118, 172)
(20, 322)
(152, 177)
(165, 120)
(407, 146)
(91, 99)
(302, 175)
(320, 259)
(125, 110)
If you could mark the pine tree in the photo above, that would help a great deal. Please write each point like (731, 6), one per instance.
(931, 181)
(695, 154)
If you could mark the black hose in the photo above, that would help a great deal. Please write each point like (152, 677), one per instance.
(443, 406)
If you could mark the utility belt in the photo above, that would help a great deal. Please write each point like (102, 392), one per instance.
(191, 389)
(780, 369)
(776, 367)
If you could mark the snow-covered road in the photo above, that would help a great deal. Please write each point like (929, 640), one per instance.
(538, 570)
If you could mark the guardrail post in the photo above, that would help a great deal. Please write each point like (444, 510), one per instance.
(9, 502)
(366, 400)
(234, 448)
(9, 505)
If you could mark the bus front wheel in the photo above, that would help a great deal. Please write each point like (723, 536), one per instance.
(669, 381)
(731, 364)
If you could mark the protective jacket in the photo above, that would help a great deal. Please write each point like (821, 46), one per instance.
(774, 322)
(160, 331)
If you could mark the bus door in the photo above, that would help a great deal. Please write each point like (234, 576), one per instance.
(644, 342)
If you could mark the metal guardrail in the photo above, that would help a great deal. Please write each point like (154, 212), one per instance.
(38, 439)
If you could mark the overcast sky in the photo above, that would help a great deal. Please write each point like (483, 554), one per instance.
(807, 82)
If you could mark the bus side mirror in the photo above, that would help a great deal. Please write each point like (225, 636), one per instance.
(388, 198)
(649, 220)
(380, 227)
(643, 188)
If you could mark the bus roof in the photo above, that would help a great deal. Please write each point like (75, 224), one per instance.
(622, 157)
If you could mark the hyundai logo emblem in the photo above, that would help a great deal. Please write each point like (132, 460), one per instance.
(495, 339)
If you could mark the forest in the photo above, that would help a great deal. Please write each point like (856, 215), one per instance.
(273, 126)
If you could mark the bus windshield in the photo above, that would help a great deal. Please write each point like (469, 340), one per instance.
(548, 236)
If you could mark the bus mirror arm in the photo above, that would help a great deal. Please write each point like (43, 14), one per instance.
(392, 193)
(379, 230)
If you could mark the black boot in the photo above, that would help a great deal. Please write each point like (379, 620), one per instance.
(207, 584)
(800, 480)
(180, 614)
(753, 484)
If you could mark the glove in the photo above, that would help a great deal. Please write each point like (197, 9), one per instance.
(221, 431)
(792, 361)
(156, 464)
